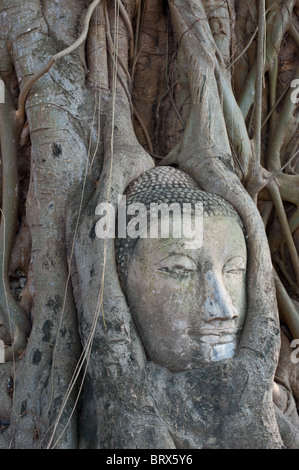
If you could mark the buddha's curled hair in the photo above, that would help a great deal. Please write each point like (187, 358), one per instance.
(166, 185)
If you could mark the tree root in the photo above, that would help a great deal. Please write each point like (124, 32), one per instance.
(20, 113)
(13, 316)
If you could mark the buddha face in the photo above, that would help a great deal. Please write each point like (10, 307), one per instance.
(189, 304)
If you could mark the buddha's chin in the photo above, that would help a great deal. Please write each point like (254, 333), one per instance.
(219, 352)
(205, 350)
(213, 351)
(216, 348)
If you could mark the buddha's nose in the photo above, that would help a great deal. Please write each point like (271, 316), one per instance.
(216, 301)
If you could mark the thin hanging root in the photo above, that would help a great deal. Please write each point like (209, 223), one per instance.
(289, 161)
(259, 83)
(136, 113)
(282, 268)
(274, 107)
(128, 24)
(23, 94)
(286, 307)
(294, 34)
(15, 318)
(277, 25)
(244, 50)
(292, 160)
(144, 129)
(235, 124)
(294, 221)
(274, 191)
(115, 57)
(119, 59)
(280, 131)
(138, 28)
(266, 213)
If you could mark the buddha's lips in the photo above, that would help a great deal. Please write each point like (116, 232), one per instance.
(218, 332)
(220, 329)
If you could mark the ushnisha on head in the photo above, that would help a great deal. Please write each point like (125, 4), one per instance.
(188, 304)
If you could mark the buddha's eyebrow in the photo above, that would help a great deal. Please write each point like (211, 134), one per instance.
(177, 254)
(175, 244)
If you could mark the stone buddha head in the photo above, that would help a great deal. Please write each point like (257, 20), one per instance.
(188, 299)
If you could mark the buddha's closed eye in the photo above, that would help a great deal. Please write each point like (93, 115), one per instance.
(235, 266)
(177, 265)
